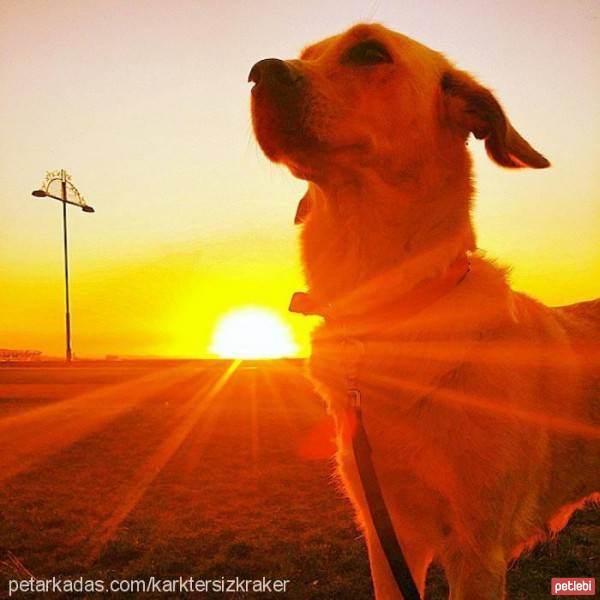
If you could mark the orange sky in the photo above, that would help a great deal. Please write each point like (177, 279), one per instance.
(146, 105)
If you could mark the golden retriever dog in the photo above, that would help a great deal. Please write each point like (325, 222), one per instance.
(481, 405)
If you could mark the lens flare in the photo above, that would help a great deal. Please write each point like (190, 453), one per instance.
(252, 332)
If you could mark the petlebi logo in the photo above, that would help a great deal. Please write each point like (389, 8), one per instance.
(573, 586)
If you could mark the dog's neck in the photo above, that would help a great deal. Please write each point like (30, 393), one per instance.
(399, 233)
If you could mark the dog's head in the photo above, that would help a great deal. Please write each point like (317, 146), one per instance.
(374, 100)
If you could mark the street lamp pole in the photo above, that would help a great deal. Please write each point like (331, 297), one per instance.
(65, 186)
(63, 183)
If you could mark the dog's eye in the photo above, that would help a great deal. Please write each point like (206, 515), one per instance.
(367, 53)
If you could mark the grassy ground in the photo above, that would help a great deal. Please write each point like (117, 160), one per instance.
(130, 472)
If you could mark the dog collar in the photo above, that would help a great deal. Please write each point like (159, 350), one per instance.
(401, 307)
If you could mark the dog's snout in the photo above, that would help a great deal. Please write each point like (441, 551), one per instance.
(273, 72)
(278, 100)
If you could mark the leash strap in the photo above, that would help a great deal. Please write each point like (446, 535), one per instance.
(376, 503)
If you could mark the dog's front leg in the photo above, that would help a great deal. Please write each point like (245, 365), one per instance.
(417, 556)
(475, 577)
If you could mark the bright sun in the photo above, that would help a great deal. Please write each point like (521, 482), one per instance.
(252, 333)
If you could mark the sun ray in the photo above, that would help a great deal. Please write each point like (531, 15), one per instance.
(254, 433)
(423, 362)
(477, 403)
(28, 438)
(267, 383)
(190, 413)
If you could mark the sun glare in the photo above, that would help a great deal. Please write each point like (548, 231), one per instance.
(252, 333)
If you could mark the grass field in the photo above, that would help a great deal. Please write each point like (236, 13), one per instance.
(132, 470)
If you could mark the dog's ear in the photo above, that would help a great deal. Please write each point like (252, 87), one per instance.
(473, 108)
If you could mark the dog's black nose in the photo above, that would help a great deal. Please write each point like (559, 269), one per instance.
(273, 71)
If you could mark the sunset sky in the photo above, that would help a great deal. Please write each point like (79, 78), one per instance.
(146, 105)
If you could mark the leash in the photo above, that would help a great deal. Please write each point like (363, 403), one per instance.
(361, 449)
(377, 507)
(353, 350)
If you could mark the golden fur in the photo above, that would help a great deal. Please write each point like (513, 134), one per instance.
(482, 409)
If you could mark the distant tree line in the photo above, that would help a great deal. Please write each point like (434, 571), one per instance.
(7, 354)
